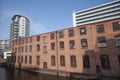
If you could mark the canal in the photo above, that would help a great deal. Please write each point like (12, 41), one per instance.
(14, 74)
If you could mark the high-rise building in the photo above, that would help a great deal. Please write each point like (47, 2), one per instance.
(20, 27)
(104, 12)
(4, 46)
(4, 49)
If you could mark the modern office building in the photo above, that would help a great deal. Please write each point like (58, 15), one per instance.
(4, 47)
(90, 49)
(20, 27)
(104, 12)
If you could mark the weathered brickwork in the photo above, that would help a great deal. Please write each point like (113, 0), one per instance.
(73, 57)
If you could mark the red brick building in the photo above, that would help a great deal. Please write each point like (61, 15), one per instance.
(86, 49)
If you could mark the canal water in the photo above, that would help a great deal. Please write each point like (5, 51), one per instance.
(14, 74)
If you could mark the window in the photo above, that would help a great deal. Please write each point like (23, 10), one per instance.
(44, 49)
(73, 61)
(26, 40)
(62, 60)
(52, 36)
(25, 59)
(100, 28)
(30, 59)
(119, 59)
(22, 49)
(38, 60)
(84, 43)
(61, 34)
(22, 59)
(53, 46)
(30, 48)
(18, 59)
(116, 26)
(72, 44)
(26, 48)
(53, 60)
(86, 63)
(30, 39)
(71, 33)
(61, 45)
(117, 40)
(44, 39)
(22, 41)
(45, 65)
(38, 47)
(38, 38)
(83, 31)
(105, 62)
(102, 42)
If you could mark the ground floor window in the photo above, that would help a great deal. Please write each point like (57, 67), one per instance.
(105, 64)
(44, 64)
(86, 62)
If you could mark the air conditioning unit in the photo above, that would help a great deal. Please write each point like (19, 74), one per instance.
(102, 45)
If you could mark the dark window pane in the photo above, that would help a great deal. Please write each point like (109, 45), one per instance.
(61, 45)
(38, 47)
(53, 60)
(86, 63)
(105, 62)
(62, 61)
(52, 46)
(38, 38)
(44, 64)
(61, 35)
(52, 36)
(38, 60)
(116, 26)
(100, 28)
(73, 61)
(71, 33)
(30, 40)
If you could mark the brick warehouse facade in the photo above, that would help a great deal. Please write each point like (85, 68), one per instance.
(88, 49)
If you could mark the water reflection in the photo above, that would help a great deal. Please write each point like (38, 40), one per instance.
(12, 74)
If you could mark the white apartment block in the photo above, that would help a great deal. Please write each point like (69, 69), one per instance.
(104, 12)
(20, 27)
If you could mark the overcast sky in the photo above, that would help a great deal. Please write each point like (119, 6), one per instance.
(44, 15)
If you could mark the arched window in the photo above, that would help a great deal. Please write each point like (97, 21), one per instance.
(62, 60)
(73, 61)
(53, 60)
(105, 62)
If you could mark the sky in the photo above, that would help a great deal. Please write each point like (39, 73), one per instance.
(44, 15)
